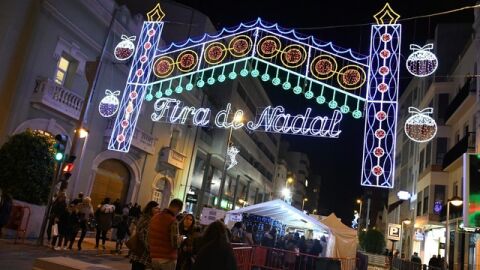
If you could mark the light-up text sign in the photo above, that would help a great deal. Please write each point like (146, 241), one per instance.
(271, 119)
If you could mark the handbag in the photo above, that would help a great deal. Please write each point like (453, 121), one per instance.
(135, 245)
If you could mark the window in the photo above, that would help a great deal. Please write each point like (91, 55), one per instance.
(419, 204)
(61, 72)
(442, 107)
(455, 189)
(428, 155)
(441, 149)
(422, 158)
(457, 136)
(465, 129)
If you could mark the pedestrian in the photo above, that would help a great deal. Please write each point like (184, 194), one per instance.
(122, 232)
(237, 233)
(63, 229)
(79, 199)
(215, 253)
(6, 205)
(85, 215)
(118, 207)
(58, 212)
(140, 258)
(249, 236)
(186, 251)
(164, 239)
(315, 251)
(268, 239)
(72, 226)
(104, 217)
(433, 263)
(415, 258)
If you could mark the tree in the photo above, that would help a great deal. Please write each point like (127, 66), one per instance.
(27, 166)
(373, 242)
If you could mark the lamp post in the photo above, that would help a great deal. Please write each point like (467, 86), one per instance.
(456, 201)
(237, 120)
(303, 202)
(359, 213)
(406, 222)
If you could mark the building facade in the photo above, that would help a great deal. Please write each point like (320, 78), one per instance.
(50, 47)
(432, 172)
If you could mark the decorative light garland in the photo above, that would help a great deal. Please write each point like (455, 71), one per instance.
(420, 127)
(109, 104)
(422, 62)
(232, 152)
(125, 48)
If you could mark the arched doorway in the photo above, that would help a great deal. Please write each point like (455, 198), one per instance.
(112, 180)
(161, 191)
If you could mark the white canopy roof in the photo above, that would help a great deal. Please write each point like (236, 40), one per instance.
(283, 212)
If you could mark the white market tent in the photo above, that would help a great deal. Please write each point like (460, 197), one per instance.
(342, 241)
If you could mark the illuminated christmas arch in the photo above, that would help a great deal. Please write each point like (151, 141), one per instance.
(363, 86)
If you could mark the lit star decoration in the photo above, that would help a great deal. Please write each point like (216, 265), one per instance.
(422, 62)
(232, 152)
(420, 127)
(125, 48)
(108, 106)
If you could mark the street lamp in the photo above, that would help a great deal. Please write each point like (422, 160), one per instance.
(359, 213)
(236, 123)
(303, 202)
(455, 201)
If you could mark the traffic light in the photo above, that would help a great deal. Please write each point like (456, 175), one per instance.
(60, 147)
(66, 172)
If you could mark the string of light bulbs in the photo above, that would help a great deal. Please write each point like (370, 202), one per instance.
(400, 20)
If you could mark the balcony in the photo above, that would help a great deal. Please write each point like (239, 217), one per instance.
(173, 158)
(58, 98)
(465, 98)
(463, 146)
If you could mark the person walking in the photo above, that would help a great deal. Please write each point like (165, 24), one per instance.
(59, 206)
(216, 252)
(164, 239)
(122, 232)
(85, 215)
(79, 199)
(249, 236)
(237, 233)
(104, 216)
(140, 258)
(73, 225)
(186, 251)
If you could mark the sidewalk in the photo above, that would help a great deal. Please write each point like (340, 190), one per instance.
(22, 256)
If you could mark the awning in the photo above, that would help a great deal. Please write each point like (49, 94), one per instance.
(283, 212)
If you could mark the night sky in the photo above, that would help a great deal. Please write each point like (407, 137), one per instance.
(338, 161)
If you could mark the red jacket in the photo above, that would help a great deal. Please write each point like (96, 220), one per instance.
(161, 238)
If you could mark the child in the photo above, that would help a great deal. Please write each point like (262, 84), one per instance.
(122, 232)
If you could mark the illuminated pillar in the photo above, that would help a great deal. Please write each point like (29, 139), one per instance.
(237, 181)
(135, 90)
(378, 166)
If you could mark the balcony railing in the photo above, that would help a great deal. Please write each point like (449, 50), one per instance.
(57, 97)
(466, 143)
(468, 88)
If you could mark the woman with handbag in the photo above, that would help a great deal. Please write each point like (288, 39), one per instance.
(85, 213)
(138, 244)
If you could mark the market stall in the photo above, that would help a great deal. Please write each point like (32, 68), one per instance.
(342, 240)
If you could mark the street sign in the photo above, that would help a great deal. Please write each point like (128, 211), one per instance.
(394, 231)
(210, 215)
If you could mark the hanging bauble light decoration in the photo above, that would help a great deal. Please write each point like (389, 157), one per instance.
(422, 62)
(109, 104)
(125, 48)
(420, 127)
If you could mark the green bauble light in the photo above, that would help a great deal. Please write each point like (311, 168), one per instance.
(148, 97)
(321, 99)
(232, 75)
(265, 77)
(211, 81)
(286, 85)
(297, 90)
(221, 78)
(344, 109)
(357, 114)
(255, 73)
(168, 92)
(309, 94)
(201, 83)
(244, 72)
(332, 104)
(189, 86)
(158, 94)
(276, 81)
(178, 89)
